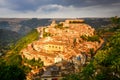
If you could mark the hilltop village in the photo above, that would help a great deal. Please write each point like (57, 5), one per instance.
(62, 41)
(72, 41)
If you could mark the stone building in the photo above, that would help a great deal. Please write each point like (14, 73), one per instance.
(54, 47)
(67, 23)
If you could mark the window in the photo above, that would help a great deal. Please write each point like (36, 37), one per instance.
(52, 46)
(59, 47)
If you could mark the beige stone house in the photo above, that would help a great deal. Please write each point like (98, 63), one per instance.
(53, 47)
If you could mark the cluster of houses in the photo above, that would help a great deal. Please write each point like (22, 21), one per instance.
(64, 44)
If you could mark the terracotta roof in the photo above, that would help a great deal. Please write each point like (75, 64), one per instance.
(48, 55)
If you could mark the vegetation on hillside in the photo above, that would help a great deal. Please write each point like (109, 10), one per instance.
(115, 20)
(111, 28)
(60, 26)
(90, 38)
(11, 65)
(7, 38)
(46, 34)
(11, 72)
(24, 41)
(33, 62)
(105, 65)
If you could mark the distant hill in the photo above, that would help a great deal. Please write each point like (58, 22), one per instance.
(34, 22)
(4, 24)
(97, 22)
(25, 25)
(7, 37)
(28, 25)
(22, 25)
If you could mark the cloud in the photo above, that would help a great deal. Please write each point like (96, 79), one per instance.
(51, 8)
(3, 3)
(59, 8)
(25, 5)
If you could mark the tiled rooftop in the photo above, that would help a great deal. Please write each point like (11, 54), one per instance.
(62, 37)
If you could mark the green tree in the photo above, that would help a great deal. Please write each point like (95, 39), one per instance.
(108, 59)
(91, 38)
(72, 77)
(11, 72)
(88, 72)
(115, 20)
(92, 52)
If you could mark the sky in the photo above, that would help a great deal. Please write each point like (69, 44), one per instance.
(59, 8)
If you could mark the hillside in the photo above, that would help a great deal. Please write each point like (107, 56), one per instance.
(24, 41)
(7, 38)
(22, 25)
(12, 61)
